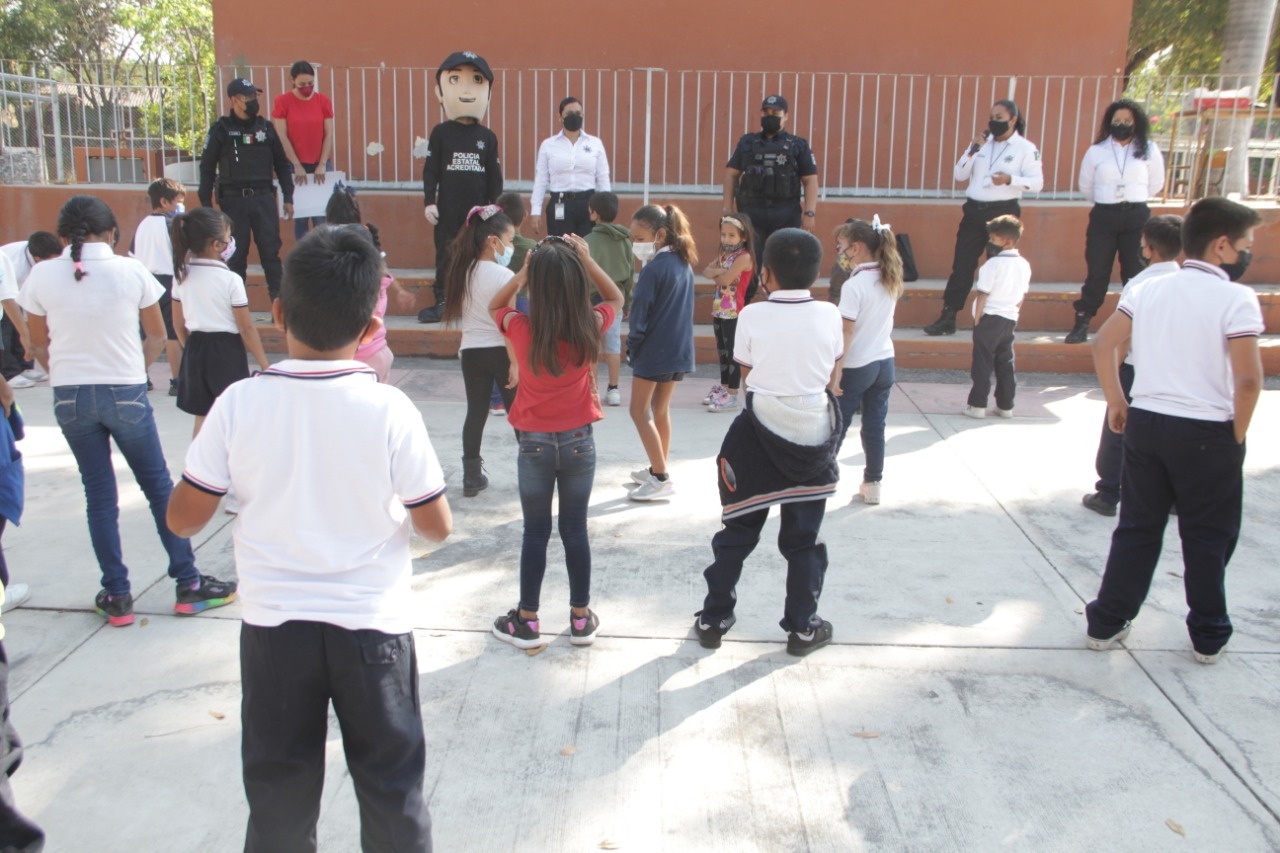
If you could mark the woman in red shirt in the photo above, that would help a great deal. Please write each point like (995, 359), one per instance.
(304, 120)
(556, 346)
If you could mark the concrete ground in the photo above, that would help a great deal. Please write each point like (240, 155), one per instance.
(957, 710)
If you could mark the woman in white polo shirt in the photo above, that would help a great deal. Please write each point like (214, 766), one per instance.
(84, 309)
(1120, 172)
(572, 165)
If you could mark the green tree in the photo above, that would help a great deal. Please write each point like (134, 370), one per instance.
(1190, 31)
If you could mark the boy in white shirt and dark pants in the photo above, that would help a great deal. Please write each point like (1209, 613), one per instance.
(1002, 284)
(152, 246)
(1198, 378)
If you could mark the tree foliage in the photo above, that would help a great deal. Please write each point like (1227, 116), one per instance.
(1185, 35)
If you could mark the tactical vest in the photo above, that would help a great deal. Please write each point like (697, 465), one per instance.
(246, 159)
(770, 173)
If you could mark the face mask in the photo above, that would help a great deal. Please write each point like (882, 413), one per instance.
(644, 251)
(229, 249)
(251, 108)
(305, 91)
(994, 249)
(504, 259)
(573, 122)
(1146, 260)
(179, 209)
(998, 128)
(842, 260)
(771, 124)
(1236, 271)
(1122, 131)
(728, 248)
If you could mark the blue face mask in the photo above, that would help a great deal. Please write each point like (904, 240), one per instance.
(504, 259)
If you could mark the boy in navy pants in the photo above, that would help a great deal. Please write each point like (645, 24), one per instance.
(1198, 377)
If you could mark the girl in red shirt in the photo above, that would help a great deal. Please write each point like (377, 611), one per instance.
(556, 346)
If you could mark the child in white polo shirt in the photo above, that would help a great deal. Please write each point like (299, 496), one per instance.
(781, 449)
(330, 467)
(1002, 284)
(1198, 376)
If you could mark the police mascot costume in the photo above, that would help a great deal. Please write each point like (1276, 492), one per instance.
(462, 169)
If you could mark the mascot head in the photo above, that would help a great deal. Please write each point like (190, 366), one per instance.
(463, 84)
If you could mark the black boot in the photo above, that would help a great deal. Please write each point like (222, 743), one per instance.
(473, 479)
(1080, 332)
(433, 313)
(944, 325)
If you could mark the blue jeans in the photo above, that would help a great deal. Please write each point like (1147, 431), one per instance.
(869, 386)
(548, 459)
(90, 417)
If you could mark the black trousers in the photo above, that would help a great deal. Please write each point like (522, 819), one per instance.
(255, 216)
(798, 541)
(726, 331)
(482, 367)
(1110, 459)
(775, 217)
(577, 214)
(1199, 466)
(971, 242)
(17, 833)
(993, 351)
(290, 674)
(12, 361)
(1113, 229)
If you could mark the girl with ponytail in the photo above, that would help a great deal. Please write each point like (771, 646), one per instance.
(85, 307)
(660, 338)
(867, 302)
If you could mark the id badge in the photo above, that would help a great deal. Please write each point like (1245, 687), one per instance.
(986, 182)
(560, 211)
(1119, 192)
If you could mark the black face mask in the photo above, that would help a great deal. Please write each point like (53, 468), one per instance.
(572, 122)
(1236, 271)
(771, 124)
(998, 128)
(251, 108)
(1122, 131)
(1146, 261)
(994, 249)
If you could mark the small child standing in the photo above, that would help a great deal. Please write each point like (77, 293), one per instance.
(731, 273)
(1002, 284)
(211, 312)
(611, 248)
(151, 246)
(781, 450)
(332, 468)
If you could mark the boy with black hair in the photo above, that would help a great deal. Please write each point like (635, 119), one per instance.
(1003, 282)
(610, 246)
(1194, 336)
(322, 551)
(1160, 244)
(512, 205)
(152, 246)
(781, 449)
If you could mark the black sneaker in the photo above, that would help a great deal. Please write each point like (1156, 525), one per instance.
(1096, 502)
(1080, 332)
(521, 633)
(709, 635)
(117, 608)
(173, 387)
(209, 592)
(582, 629)
(799, 646)
(150, 385)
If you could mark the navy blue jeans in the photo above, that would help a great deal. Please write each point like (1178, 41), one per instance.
(1110, 460)
(1199, 465)
(798, 541)
(549, 460)
(868, 386)
(91, 417)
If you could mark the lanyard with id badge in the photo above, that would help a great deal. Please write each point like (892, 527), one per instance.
(1121, 166)
(559, 211)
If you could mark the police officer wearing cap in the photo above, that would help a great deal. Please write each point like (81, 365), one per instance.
(574, 166)
(241, 154)
(769, 173)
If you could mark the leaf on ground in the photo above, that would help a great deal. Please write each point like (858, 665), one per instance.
(569, 750)
(537, 650)
(950, 600)
(435, 635)
(143, 622)
(866, 735)
(617, 535)
(610, 844)
(1176, 574)
(1080, 610)
(217, 715)
(1176, 827)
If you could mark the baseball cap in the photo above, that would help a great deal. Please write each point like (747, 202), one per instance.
(241, 86)
(465, 57)
(774, 102)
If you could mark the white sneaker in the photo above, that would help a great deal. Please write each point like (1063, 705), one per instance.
(21, 381)
(727, 403)
(35, 374)
(654, 489)
(498, 411)
(613, 397)
(716, 390)
(870, 493)
(16, 595)
(1200, 658)
(1004, 413)
(1102, 645)
(640, 477)
(975, 412)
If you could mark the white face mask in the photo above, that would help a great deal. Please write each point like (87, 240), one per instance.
(179, 209)
(229, 249)
(644, 251)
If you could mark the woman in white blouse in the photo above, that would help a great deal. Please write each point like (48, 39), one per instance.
(571, 166)
(1120, 172)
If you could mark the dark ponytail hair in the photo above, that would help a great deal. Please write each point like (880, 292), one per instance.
(465, 252)
(82, 217)
(1019, 122)
(343, 209)
(560, 310)
(1141, 125)
(671, 219)
(192, 232)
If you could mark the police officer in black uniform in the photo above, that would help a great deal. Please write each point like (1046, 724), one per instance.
(240, 155)
(768, 174)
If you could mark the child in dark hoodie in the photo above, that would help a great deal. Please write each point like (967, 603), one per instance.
(611, 248)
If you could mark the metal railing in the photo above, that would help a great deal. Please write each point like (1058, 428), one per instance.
(666, 132)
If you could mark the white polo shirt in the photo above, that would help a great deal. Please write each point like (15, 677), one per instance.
(1005, 279)
(1017, 157)
(483, 283)
(866, 302)
(208, 294)
(1181, 327)
(324, 460)
(93, 323)
(9, 284)
(1156, 270)
(20, 258)
(152, 246)
(791, 343)
(565, 166)
(1110, 173)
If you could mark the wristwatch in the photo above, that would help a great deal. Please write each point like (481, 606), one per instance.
(810, 213)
